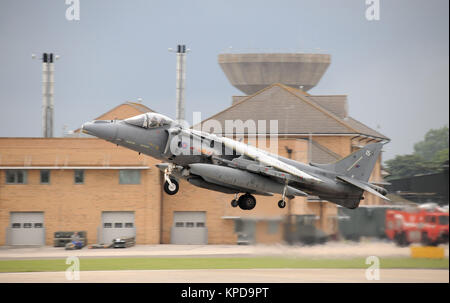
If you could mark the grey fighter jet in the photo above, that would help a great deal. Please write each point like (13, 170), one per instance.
(228, 166)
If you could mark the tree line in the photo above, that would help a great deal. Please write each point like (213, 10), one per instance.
(428, 157)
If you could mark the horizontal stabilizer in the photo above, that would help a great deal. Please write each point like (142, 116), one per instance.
(362, 186)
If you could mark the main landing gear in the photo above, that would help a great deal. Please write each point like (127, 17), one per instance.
(171, 185)
(245, 202)
(248, 202)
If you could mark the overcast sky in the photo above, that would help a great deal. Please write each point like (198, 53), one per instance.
(395, 71)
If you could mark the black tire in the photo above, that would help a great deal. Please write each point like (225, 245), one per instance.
(171, 191)
(425, 240)
(402, 240)
(281, 204)
(247, 202)
(234, 203)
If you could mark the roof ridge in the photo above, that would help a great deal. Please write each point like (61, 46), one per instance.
(240, 101)
(136, 105)
(109, 110)
(297, 90)
(321, 108)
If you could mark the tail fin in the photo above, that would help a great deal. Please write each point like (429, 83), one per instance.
(358, 165)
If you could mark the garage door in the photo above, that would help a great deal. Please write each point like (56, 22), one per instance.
(117, 224)
(26, 228)
(189, 227)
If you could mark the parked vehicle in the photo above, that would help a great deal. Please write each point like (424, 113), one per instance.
(418, 225)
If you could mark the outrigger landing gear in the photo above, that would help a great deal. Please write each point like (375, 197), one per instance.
(171, 185)
(282, 202)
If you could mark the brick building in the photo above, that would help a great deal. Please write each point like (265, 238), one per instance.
(81, 183)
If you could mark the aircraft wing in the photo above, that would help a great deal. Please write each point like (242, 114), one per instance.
(258, 155)
(362, 186)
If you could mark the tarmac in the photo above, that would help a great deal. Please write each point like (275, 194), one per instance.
(234, 276)
(329, 250)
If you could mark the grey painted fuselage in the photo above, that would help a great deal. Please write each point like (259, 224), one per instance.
(234, 174)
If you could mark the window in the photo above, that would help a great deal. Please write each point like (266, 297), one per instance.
(79, 176)
(38, 225)
(107, 225)
(238, 226)
(27, 225)
(443, 220)
(45, 177)
(200, 224)
(179, 224)
(16, 176)
(117, 225)
(129, 176)
(15, 225)
(128, 225)
(189, 224)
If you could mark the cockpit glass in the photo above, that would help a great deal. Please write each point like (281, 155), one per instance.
(149, 120)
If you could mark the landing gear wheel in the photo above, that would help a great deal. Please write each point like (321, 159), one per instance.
(281, 204)
(234, 203)
(171, 189)
(247, 202)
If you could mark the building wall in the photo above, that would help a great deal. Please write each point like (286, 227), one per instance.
(68, 206)
(78, 207)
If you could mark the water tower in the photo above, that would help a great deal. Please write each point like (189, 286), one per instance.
(251, 72)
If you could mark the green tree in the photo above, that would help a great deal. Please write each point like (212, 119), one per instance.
(435, 141)
(407, 165)
(441, 156)
(428, 156)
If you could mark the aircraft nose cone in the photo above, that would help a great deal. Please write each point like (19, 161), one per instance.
(85, 127)
(100, 128)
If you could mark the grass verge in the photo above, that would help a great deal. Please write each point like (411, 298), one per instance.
(213, 263)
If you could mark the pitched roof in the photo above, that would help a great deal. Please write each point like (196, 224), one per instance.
(322, 155)
(124, 110)
(337, 104)
(297, 112)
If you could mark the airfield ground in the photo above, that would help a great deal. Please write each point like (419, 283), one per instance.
(331, 262)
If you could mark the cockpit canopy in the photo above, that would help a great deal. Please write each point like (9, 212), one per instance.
(149, 120)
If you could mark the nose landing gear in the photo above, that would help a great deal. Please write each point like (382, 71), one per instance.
(171, 185)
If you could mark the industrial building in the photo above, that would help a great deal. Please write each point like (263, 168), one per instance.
(86, 184)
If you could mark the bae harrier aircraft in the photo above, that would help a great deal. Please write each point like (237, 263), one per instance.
(228, 166)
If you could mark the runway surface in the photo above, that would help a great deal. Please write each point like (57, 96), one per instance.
(329, 250)
(234, 276)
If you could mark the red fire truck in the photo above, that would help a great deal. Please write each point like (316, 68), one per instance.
(418, 225)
